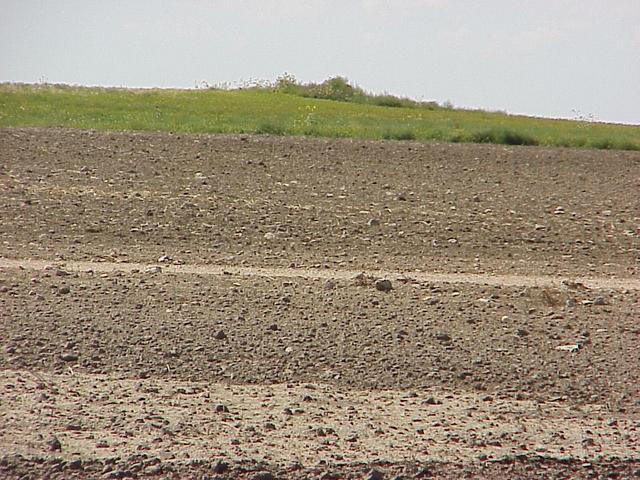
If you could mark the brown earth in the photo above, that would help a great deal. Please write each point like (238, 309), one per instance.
(279, 202)
(507, 346)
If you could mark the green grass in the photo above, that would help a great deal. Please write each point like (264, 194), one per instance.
(276, 111)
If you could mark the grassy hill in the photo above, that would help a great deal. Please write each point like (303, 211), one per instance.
(331, 109)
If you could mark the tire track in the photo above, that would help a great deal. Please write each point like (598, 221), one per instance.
(325, 274)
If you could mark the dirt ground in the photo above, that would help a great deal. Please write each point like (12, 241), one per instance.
(176, 306)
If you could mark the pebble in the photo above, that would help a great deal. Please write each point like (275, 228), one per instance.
(153, 269)
(329, 285)
(68, 357)
(64, 290)
(54, 444)
(220, 467)
(269, 236)
(383, 285)
(375, 474)
(220, 335)
(569, 348)
(373, 222)
(443, 337)
(599, 301)
(263, 476)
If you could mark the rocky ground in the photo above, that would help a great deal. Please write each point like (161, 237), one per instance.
(210, 359)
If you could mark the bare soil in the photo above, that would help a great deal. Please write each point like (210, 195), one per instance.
(176, 306)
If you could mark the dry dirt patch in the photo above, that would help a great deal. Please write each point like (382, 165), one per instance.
(97, 416)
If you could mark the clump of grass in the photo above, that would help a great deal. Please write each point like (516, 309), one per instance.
(503, 136)
(268, 128)
(611, 144)
(401, 134)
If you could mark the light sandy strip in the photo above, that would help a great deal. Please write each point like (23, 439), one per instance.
(104, 416)
(310, 273)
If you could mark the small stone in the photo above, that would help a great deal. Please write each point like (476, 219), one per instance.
(153, 269)
(599, 301)
(75, 465)
(269, 236)
(443, 337)
(68, 357)
(220, 335)
(220, 408)
(375, 474)
(54, 444)
(432, 300)
(330, 285)
(521, 332)
(64, 290)
(373, 222)
(220, 467)
(569, 348)
(431, 401)
(570, 302)
(153, 470)
(263, 476)
(383, 285)
(269, 426)
(61, 273)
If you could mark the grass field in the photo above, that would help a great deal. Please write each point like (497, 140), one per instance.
(292, 111)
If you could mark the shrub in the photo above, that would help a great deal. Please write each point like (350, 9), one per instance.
(387, 101)
(339, 89)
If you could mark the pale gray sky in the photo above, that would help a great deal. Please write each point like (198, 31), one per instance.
(538, 57)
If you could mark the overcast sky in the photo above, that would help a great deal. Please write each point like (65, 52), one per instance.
(540, 57)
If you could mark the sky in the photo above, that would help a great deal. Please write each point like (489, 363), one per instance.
(551, 58)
